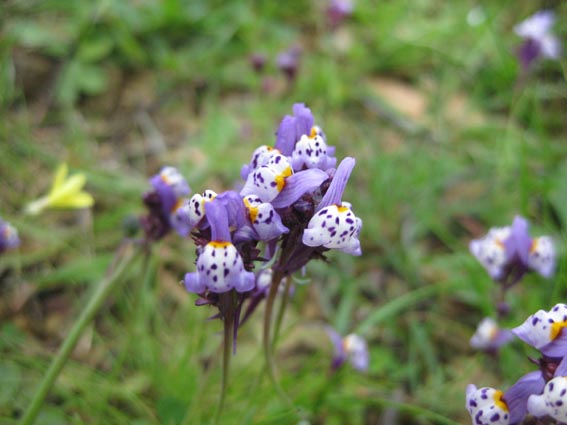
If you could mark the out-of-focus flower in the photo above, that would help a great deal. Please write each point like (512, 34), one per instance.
(507, 253)
(8, 236)
(552, 402)
(544, 330)
(258, 62)
(65, 192)
(338, 11)
(219, 264)
(486, 406)
(169, 188)
(288, 62)
(489, 336)
(334, 225)
(351, 348)
(539, 41)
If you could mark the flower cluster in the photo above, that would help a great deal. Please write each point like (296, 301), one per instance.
(508, 253)
(540, 393)
(290, 210)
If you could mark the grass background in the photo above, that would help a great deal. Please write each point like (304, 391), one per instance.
(450, 139)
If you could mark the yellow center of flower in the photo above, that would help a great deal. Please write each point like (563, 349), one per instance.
(556, 329)
(498, 400)
(219, 244)
(341, 209)
(313, 133)
(280, 178)
(252, 211)
(533, 246)
(177, 205)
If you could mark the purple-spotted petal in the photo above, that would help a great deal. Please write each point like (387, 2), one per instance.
(486, 407)
(261, 156)
(334, 227)
(297, 185)
(268, 180)
(552, 402)
(517, 395)
(541, 256)
(544, 330)
(335, 191)
(219, 269)
(293, 127)
(191, 212)
(265, 221)
(490, 251)
(311, 152)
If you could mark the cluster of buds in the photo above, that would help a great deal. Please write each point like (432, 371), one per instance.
(541, 393)
(288, 211)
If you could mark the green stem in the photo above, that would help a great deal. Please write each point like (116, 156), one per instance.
(228, 322)
(101, 293)
(281, 311)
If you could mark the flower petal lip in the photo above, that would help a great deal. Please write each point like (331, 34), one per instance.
(544, 330)
(552, 402)
(486, 406)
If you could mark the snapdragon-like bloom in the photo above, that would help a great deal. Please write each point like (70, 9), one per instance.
(352, 348)
(334, 225)
(292, 127)
(552, 402)
(311, 151)
(486, 406)
(191, 212)
(8, 236)
(171, 186)
(219, 265)
(265, 221)
(539, 41)
(489, 336)
(507, 253)
(545, 330)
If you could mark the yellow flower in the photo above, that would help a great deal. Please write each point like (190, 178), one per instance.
(66, 192)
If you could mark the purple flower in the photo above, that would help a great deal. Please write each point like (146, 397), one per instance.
(288, 62)
(171, 187)
(311, 151)
(352, 348)
(8, 236)
(191, 212)
(334, 225)
(219, 265)
(507, 253)
(293, 127)
(486, 406)
(539, 41)
(338, 11)
(490, 337)
(552, 402)
(544, 330)
(276, 182)
(266, 222)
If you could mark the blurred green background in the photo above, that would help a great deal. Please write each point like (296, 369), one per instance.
(450, 139)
